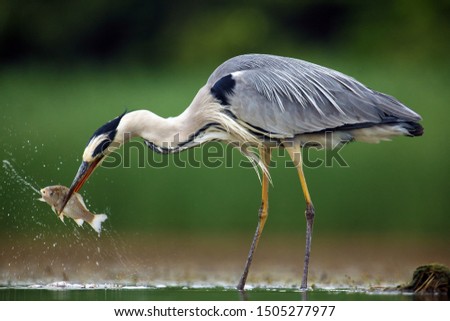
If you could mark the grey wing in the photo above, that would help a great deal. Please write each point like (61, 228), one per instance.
(285, 96)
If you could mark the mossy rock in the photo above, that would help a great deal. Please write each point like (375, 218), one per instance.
(428, 279)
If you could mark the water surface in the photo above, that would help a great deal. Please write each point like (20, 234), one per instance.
(186, 293)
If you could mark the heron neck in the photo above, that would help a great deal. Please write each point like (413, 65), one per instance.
(159, 132)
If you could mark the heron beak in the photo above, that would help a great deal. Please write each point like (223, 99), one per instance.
(82, 176)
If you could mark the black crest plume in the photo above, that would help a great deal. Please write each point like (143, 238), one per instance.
(110, 129)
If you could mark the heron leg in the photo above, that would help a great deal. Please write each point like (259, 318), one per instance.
(296, 155)
(262, 216)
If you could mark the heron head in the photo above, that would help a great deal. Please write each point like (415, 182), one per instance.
(102, 142)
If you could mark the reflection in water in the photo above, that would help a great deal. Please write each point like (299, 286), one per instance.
(190, 294)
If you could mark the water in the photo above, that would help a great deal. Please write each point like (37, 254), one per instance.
(43, 259)
(36, 246)
(13, 174)
(133, 293)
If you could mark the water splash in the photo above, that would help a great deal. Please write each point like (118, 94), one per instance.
(36, 247)
(10, 170)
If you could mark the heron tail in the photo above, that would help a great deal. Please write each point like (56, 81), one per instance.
(413, 128)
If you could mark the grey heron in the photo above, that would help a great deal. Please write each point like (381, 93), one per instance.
(255, 100)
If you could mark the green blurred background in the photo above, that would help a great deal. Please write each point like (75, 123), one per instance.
(67, 67)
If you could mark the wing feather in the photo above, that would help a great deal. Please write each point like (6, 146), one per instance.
(287, 96)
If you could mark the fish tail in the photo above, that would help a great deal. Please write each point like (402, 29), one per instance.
(97, 221)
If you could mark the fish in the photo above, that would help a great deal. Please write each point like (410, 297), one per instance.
(75, 208)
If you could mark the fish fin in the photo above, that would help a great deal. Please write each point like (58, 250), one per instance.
(97, 222)
(79, 221)
(54, 209)
(61, 217)
(80, 199)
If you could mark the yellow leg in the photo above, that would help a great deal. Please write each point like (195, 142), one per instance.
(262, 216)
(296, 155)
